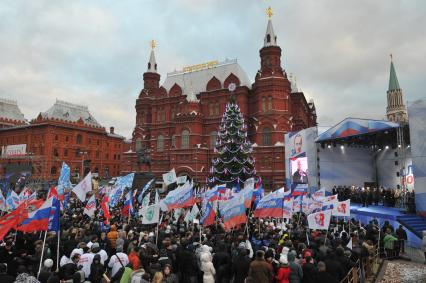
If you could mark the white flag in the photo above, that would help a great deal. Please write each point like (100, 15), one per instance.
(181, 179)
(342, 208)
(83, 187)
(145, 201)
(150, 214)
(319, 220)
(170, 177)
(90, 206)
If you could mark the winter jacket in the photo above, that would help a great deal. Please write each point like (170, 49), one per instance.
(283, 274)
(208, 269)
(112, 236)
(240, 268)
(388, 241)
(296, 272)
(260, 271)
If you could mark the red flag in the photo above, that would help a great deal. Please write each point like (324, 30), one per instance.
(105, 207)
(12, 219)
(53, 193)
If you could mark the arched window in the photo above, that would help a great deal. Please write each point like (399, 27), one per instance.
(263, 104)
(138, 144)
(160, 143)
(268, 38)
(213, 137)
(79, 139)
(267, 136)
(53, 170)
(174, 141)
(269, 102)
(185, 139)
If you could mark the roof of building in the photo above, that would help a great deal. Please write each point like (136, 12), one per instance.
(196, 81)
(393, 80)
(63, 110)
(9, 110)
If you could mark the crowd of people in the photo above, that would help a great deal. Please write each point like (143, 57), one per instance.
(401, 198)
(123, 250)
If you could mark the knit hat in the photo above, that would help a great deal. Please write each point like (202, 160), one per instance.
(48, 263)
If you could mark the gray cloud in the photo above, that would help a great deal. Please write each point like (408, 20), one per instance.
(95, 52)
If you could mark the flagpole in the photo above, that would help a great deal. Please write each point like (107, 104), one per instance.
(42, 254)
(57, 249)
(156, 238)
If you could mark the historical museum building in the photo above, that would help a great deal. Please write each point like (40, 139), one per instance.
(177, 122)
(66, 132)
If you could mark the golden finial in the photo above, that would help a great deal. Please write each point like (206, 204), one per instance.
(153, 44)
(269, 12)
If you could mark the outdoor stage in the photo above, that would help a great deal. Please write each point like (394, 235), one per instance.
(413, 224)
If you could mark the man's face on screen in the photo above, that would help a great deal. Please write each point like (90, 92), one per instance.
(298, 144)
(299, 165)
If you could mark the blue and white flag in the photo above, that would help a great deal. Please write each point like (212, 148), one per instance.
(63, 181)
(115, 196)
(144, 189)
(54, 215)
(12, 200)
(125, 181)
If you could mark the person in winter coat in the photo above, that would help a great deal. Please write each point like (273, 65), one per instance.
(309, 270)
(168, 276)
(240, 266)
(260, 270)
(207, 268)
(296, 272)
(323, 275)
(112, 236)
(283, 273)
(97, 270)
(389, 243)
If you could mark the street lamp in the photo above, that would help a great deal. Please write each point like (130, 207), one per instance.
(196, 161)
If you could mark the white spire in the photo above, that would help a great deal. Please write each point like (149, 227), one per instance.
(270, 37)
(152, 64)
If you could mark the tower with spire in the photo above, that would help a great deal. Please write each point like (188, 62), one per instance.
(395, 111)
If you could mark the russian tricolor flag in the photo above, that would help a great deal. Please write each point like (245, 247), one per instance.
(271, 205)
(208, 214)
(128, 205)
(233, 212)
(180, 197)
(38, 220)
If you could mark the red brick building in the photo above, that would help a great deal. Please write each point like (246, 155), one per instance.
(177, 122)
(68, 133)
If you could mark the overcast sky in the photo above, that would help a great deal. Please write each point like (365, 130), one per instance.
(95, 52)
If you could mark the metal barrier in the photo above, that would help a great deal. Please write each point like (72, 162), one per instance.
(364, 268)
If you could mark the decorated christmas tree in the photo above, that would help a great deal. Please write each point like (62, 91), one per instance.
(233, 163)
